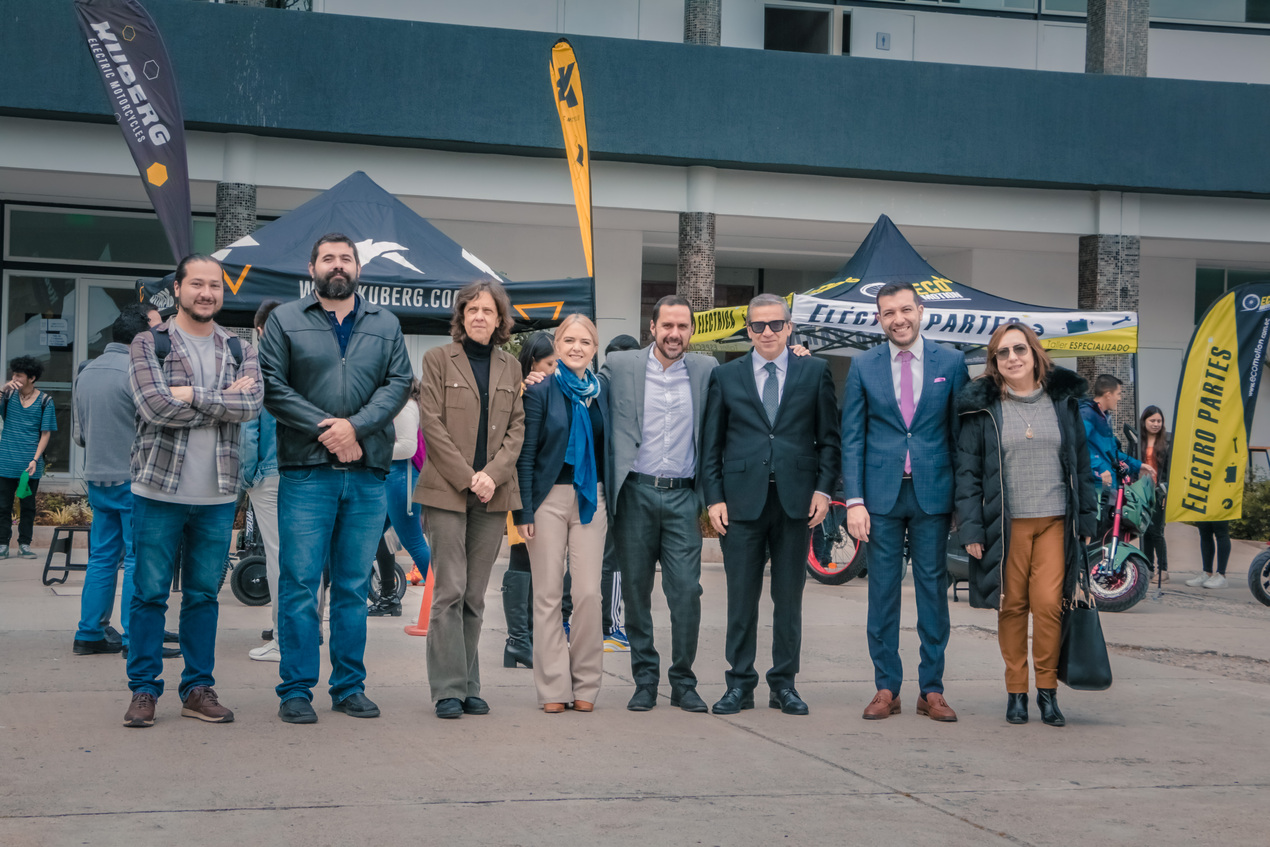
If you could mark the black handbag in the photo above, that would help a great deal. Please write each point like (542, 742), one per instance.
(1083, 663)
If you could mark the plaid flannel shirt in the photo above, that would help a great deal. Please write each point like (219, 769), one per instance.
(163, 422)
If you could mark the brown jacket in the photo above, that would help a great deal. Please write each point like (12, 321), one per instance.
(449, 416)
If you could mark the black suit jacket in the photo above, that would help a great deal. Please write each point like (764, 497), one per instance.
(547, 421)
(740, 449)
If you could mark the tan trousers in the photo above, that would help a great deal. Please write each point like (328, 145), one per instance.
(1032, 582)
(567, 669)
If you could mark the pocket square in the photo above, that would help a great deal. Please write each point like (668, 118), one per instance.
(939, 379)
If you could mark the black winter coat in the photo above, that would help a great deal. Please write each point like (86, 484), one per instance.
(982, 513)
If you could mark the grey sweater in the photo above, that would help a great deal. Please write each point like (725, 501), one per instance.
(1033, 473)
(105, 417)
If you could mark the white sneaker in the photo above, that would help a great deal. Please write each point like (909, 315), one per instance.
(1199, 580)
(267, 653)
(1215, 581)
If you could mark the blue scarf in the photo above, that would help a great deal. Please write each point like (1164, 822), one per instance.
(581, 449)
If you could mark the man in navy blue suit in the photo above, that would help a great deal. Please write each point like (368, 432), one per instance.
(769, 455)
(899, 437)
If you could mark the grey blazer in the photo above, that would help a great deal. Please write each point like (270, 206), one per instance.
(624, 372)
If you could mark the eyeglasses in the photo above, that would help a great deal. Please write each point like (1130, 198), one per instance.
(1020, 350)
(757, 327)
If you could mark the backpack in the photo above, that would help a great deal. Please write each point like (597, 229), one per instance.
(163, 346)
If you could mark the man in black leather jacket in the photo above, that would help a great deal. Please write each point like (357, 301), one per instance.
(336, 374)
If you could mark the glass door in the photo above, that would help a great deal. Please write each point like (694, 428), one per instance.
(100, 301)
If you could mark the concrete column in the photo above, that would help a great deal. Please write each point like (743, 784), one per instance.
(1110, 281)
(236, 192)
(1116, 37)
(695, 279)
(701, 21)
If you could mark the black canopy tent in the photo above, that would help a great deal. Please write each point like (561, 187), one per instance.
(408, 265)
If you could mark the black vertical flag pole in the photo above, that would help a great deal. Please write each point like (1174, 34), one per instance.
(140, 83)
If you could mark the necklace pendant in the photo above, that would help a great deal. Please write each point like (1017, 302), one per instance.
(1029, 431)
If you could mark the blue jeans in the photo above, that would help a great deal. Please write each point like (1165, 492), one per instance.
(158, 528)
(110, 541)
(928, 545)
(405, 516)
(326, 514)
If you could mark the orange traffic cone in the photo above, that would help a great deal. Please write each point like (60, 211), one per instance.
(425, 608)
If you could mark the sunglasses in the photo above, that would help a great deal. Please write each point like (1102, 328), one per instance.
(1020, 350)
(757, 327)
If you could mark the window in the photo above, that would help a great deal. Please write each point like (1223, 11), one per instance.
(797, 30)
(133, 239)
(1212, 283)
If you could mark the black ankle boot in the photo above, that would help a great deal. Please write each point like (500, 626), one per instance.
(1047, 699)
(384, 607)
(1016, 708)
(519, 649)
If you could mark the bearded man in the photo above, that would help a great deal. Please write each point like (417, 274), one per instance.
(336, 374)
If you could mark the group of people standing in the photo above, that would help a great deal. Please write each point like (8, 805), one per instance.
(631, 454)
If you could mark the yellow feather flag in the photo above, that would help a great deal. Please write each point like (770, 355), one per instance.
(567, 87)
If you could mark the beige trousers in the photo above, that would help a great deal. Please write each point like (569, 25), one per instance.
(567, 669)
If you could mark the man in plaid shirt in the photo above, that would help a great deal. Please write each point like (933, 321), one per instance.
(185, 482)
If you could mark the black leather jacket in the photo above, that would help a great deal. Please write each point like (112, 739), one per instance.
(306, 380)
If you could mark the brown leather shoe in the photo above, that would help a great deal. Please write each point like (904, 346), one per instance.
(553, 708)
(882, 706)
(935, 707)
(583, 706)
(141, 711)
(202, 704)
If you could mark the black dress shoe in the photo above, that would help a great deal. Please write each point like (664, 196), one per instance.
(357, 705)
(450, 707)
(644, 698)
(113, 635)
(475, 706)
(297, 710)
(168, 652)
(384, 607)
(734, 701)
(689, 700)
(171, 637)
(89, 648)
(1047, 699)
(1016, 708)
(788, 701)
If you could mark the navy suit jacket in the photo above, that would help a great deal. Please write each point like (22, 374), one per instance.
(740, 449)
(547, 422)
(874, 437)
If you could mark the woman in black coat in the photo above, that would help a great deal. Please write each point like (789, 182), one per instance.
(561, 473)
(1026, 505)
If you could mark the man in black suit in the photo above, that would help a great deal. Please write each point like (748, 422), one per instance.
(770, 453)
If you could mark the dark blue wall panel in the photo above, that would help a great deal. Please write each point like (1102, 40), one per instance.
(393, 82)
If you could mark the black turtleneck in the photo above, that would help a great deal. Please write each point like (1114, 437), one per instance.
(478, 356)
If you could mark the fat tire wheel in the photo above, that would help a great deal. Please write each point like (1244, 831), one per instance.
(248, 581)
(839, 547)
(1259, 577)
(1127, 596)
(401, 583)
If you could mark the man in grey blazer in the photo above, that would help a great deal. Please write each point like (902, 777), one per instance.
(657, 396)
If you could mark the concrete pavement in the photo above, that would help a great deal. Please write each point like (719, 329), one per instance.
(1174, 753)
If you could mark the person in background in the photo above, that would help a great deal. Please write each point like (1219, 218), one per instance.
(1025, 502)
(404, 516)
(1105, 455)
(1214, 536)
(1155, 449)
(29, 421)
(615, 638)
(260, 476)
(561, 470)
(103, 417)
(153, 316)
(537, 356)
(474, 424)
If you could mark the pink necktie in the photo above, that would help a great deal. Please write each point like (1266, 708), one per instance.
(906, 398)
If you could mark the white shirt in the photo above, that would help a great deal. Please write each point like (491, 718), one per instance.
(666, 448)
(760, 372)
(916, 364)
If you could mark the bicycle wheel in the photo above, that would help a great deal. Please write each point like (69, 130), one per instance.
(833, 556)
